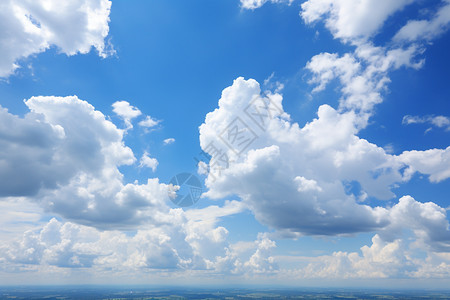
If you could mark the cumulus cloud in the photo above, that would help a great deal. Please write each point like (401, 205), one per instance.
(248, 258)
(148, 162)
(190, 240)
(68, 245)
(262, 261)
(272, 167)
(284, 159)
(33, 26)
(363, 74)
(126, 111)
(293, 178)
(433, 162)
(380, 260)
(193, 240)
(391, 255)
(349, 20)
(65, 155)
(423, 254)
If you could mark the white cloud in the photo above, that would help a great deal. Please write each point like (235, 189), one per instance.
(351, 20)
(427, 221)
(149, 162)
(33, 26)
(363, 75)
(391, 255)
(416, 30)
(433, 162)
(183, 241)
(279, 178)
(65, 155)
(202, 232)
(307, 166)
(69, 245)
(148, 122)
(202, 168)
(126, 111)
(253, 4)
(283, 154)
(169, 141)
(307, 185)
(262, 261)
(424, 253)
(192, 240)
(292, 178)
(380, 260)
(438, 121)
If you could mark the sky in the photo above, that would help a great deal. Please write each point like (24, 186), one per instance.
(227, 142)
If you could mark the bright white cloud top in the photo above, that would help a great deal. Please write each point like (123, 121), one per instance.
(31, 27)
(78, 183)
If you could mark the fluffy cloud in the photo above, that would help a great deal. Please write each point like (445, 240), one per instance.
(433, 162)
(423, 254)
(70, 245)
(32, 26)
(148, 122)
(380, 260)
(149, 162)
(190, 240)
(294, 179)
(351, 20)
(206, 238)
(390, 255)
(262, 261)
(271, 174)
(427, 221)
(126, 111)
(65, 155)
(363, 74)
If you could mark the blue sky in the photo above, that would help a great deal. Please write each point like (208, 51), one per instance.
(346, 181)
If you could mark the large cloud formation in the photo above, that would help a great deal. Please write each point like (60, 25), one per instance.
(189, 240)
(295, 179)
(32, 26)
(311, 180)
(315, 180)
(65, 155)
